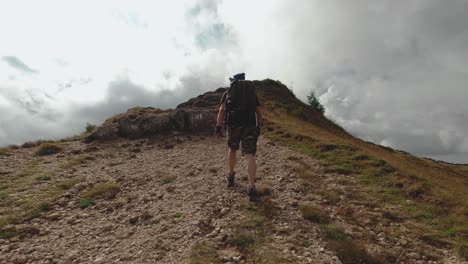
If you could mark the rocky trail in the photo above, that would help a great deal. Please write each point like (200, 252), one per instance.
(165, 201)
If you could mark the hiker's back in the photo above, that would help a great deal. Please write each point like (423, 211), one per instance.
(241, 102)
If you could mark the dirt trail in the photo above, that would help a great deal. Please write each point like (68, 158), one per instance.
(170, 198)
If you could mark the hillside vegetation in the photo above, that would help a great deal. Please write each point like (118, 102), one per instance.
(431, 195)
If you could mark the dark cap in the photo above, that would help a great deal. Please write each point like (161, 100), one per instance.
(236, 77)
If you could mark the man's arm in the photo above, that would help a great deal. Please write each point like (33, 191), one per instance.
(259, 116)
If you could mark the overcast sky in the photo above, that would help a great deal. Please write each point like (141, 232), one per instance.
(392, 72)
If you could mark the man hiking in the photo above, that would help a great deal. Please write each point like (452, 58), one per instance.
(239, 110)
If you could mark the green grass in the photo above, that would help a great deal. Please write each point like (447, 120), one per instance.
(86, 202)
(3, 195)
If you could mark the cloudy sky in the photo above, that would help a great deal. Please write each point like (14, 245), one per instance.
(392, 72)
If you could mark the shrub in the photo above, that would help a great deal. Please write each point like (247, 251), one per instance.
(29, 144)
(170, 188)
(349, 251)
(48, 149)
(313, 213)
(335, 231)
(168, 179)
(263, 190)
(44, 207)
(43, 178)
(242, 239)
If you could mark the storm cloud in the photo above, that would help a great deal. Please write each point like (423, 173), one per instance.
(391, 72)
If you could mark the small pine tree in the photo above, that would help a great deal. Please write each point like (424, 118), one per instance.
(315, 103)
(90, 127)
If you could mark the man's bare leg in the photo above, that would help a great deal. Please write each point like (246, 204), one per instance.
(251, 168)
(231, 160)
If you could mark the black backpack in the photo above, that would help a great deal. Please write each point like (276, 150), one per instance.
(240, 103)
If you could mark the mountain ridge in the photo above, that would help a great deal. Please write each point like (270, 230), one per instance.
(326, 196)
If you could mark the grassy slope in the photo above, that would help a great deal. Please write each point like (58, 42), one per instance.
(437, 191)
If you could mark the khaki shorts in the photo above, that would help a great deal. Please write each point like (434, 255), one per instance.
(246, 135)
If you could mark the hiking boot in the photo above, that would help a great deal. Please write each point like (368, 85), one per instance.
(230, 179)
(252, 193)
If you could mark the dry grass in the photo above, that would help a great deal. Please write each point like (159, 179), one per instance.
(73, 162)
(334, 231)
(243, 239)
(22, 198)
(437, 190)
(170, 188)
(349, 251)
(204, 252)
(268, 255)
(108, 190)
(251, 232)
(68, 183)
(313, 213)
(48, 149)
(168, 179)
(391, 176)
(4, 151)
(462, 250)
(263, 189)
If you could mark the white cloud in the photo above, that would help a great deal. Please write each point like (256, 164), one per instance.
(390, 72)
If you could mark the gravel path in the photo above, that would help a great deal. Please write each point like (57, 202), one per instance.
(171, 195)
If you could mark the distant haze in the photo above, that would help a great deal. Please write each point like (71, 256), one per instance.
(391, 72)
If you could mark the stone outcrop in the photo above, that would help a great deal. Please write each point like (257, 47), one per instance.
(206, 100)
(196, 115)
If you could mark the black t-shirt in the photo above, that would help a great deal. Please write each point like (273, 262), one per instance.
(250, 118)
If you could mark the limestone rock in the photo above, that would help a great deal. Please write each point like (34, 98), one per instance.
(136, 123)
